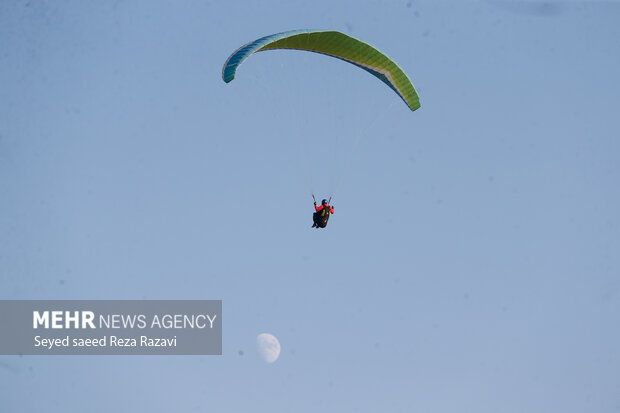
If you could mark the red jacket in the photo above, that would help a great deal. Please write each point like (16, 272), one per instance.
(320, 208)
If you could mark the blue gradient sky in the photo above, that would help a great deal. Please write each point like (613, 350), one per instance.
(473, 261)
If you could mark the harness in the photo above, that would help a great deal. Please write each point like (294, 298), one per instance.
(322, 216)
(326, 210)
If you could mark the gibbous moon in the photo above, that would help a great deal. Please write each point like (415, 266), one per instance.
(268, 347)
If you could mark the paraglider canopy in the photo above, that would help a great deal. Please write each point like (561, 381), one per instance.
(335, 44)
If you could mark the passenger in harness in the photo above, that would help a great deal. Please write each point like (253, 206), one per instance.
(321, 216)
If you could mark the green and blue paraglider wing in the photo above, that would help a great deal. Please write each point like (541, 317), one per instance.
(335, 44)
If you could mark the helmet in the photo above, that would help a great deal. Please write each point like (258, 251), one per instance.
(324, 202)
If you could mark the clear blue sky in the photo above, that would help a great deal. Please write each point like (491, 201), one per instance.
(473, 261)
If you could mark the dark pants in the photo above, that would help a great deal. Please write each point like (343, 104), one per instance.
(320, 221)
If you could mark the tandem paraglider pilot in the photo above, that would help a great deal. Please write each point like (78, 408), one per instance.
(321, 216)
